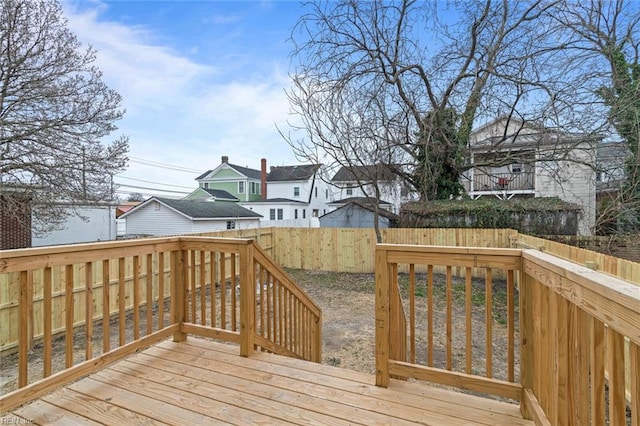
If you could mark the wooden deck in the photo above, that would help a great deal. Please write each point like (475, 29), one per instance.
(203, 382)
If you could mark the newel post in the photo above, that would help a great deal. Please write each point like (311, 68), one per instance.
(178, 296)
(526, 342)
(383, 295)
(247, 300)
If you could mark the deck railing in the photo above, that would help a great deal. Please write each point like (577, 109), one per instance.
(90, 304)
(503, 181)
(578, 330)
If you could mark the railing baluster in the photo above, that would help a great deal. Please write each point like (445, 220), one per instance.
(634, 388)
(511, 321)
(430, 315)
(203, 289)
(489, 322)
(136, 297)
(468, 293)
(192, 285)
(160, 290)
(88, 278)
(48, 320)
(213, 273)
(149, 299)
(412, 311)
(449, 315)
(68, 306)
(223, 291)
(121, 302)
(234, 293)
(597, 380)
(106, 308)
(615, 368)
(23, 324)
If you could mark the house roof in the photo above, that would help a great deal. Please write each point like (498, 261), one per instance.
(220, 194)
(365, 203)
(363, 173)
(250, 173)
(275, 200)
(202, 209)
(362, 201)
(292, 173)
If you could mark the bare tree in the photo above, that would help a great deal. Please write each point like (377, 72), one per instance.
(602, 40)
(54, 113)
(400, 83)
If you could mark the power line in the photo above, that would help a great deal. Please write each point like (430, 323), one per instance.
(163, 165)
(151, 189)
(154, 182)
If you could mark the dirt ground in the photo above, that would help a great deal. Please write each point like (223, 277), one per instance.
(347, 302)
(348, 310)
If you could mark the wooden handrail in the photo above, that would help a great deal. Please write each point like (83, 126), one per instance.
(579, 332)
(129, 283)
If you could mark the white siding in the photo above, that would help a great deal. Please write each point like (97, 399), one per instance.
(156, 219)
(99, 226)
(572, 181)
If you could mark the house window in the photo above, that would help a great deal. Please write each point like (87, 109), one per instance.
(296, 191)
(304, 213)
(272, 214)
(326, 194)
(241, 187)
(280, 215)
(231, 224)
(206, 184)
(349, 191)
(254, 187)
(516, 168)
(315, 213)
(316, 192)
(295, 214)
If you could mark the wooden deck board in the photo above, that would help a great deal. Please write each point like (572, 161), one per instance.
(203, 382)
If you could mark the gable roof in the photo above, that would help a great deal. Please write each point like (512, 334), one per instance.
(250, 173)
(220, 194)
(201, 209)
(365, 203)
(363, 173)
(292, 173)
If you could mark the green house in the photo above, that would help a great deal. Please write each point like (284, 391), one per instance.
(241, 182)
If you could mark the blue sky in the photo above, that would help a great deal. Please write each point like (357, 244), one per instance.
(199, 79)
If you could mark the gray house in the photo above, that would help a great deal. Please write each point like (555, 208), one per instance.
(358, 212)
(164, 216)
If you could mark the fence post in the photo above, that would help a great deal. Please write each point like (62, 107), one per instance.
(382, 317)
(178, 297)
(247, 300)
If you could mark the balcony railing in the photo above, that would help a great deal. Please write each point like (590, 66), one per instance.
(577, 331)
(502, 181)
(96, 303)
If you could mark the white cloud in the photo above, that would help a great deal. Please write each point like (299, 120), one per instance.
(180, 111)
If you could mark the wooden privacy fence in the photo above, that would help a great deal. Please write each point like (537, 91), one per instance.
(579, 332)
(114, 298)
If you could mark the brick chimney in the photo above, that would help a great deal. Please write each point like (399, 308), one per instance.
(225, 159)
(263, 178)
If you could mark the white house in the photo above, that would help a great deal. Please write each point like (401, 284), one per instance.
(292, 196)
(163, 216)
(357, 181)
(512, 158)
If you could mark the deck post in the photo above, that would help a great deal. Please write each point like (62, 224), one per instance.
(178, 296)
(525, 304)
(247, 300)
(383, 294)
